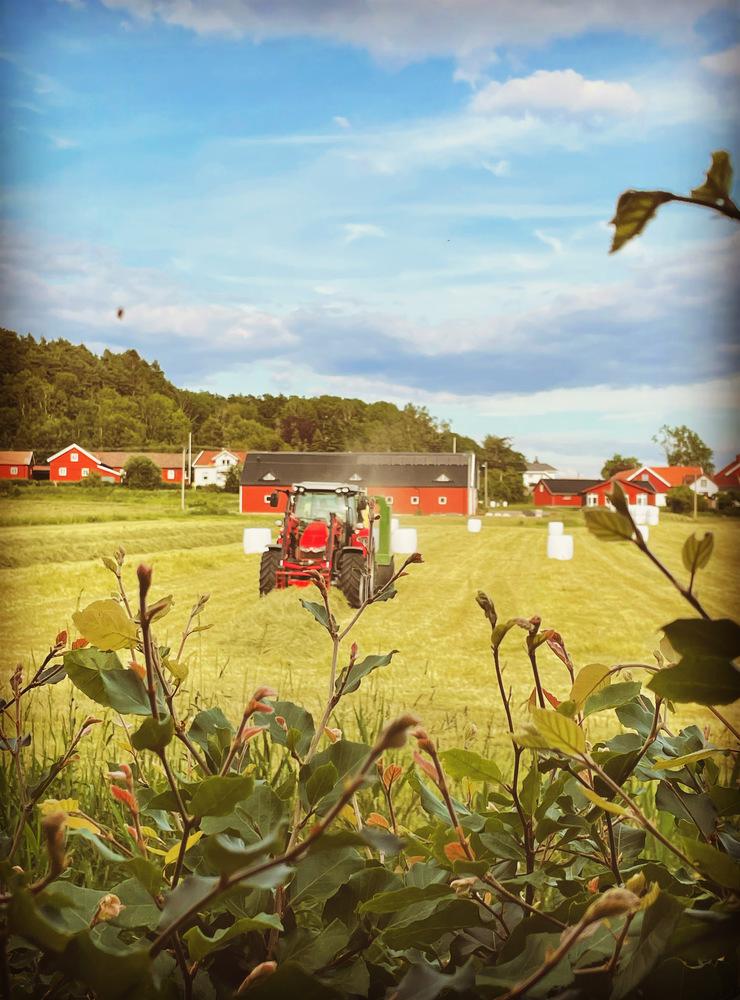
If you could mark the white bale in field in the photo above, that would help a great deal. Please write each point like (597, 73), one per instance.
(639, 512)
(644, 531)
(395, 524)
(560, 547)
(474, 524)
(403, 541)
(256, 540)
(555, 528)
(653, 515)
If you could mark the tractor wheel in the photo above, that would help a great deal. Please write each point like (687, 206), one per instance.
(383, 574)
(268, 570)
(354, 580)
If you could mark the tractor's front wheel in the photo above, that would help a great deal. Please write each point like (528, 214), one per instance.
(269, 565)
(383, 574)
(355, 578)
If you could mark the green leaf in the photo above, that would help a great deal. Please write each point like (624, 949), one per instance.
(320, 782)
(658, 925)
(191, 891)
(106, 625)
(101, 677)
(609, 526)
(469, 764)
(296, 718)
(318, 611)
(530, 791)
(229, 854)
(704, 680)
(318, 877)
(673, 763)
(312, 951)
(398, 899)
(699, 637)
(350, 678)
(531, 956)
(346, 757)
(698, 808)
(424, 982)
(612, 696)
(217, 796)
(720, 867)
(289, 981)
(146, 872)
(41, 927)
(200, 945)
(634, 210)
(559, 732)
(610, 807)
(178, 669)
(111, 973)
(102, 848)
(591, 679)
(458, 914)
(697, 551)
(717, 186)
(154, 734)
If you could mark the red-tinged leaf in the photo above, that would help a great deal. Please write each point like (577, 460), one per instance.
(80, 643)
(138, 668)
(551, 698)
(391, 774)
(455, 852)
(593, 884)
(375, 819)
(61, 639)
(125, 796)
(428, 768)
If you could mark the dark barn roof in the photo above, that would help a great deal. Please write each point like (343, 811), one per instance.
(283, 468)
(570, 486)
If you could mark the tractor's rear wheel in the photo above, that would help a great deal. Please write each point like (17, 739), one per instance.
(355, 582)
(383, 574)
(269, 564)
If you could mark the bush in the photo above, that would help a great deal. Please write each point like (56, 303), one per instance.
(272, 856)
(142, 474)
(680, 500)
(233, 479)
(728, 503)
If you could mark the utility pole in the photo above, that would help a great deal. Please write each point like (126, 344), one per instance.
(182, 483)
(485, 486)
(454, 444)
(696, 497)
(190, 456)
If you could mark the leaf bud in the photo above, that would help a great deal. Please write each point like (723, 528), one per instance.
(61, 639)
(53, 829)
(109, 908)
(612, 903)
(144, 574)
(394, 734)
(249, 732)
(260, 971)
(264, 692)
(463, 886)
(415, 557)
(333, 735)
(80, 643)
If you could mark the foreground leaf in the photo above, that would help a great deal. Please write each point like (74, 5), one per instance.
(703, 680)
(101, 677)
(558, 731)
(106, 625)
(200, 945)
(217, 795)
(469, 764)
(634, 210)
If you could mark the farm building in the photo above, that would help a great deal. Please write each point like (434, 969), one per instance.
(729, 477)
(73, 464)
(411, 482)
(663, 478)
(16, 464)
(536, 471)
(590, 492)
(211, 466)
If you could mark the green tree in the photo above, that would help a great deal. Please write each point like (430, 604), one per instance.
(682, 446)
(618, 463)
(142, 473)
(233, 479)
(504, 468)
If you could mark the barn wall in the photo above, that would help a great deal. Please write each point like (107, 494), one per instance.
(544, 498)
(252, 499)
(74, 469)
(24, 471)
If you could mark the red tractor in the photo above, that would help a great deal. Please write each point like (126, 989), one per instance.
(335, 529)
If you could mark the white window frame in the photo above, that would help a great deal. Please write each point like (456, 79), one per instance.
(592, 499)
(442, 501)
(62, 471)
(267, 497)
(415, 501)
(641, 499)
(389, 501)
(85, 472)
(74, 456)
(568, 496)
(170, 473)
(14, 470)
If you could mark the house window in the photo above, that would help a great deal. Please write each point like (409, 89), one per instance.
(74, 457)
(415, 501)
(592, 499)
(442, 501)
(567, 497)
(85, 472)
(267, 497)
(62, 471)
(389, 501)
(542, 488)
(14, 470)
(641, 499)
(170, 473)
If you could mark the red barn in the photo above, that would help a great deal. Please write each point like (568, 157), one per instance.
(411, 482)
(16, 464)
(73, 464)
(563, 492)
(662, 477)
(639, 492)
(729, 477)
(170, 462)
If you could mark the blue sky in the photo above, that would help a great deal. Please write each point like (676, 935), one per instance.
(390, 201)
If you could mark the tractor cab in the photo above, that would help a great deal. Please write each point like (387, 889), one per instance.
(336, 530)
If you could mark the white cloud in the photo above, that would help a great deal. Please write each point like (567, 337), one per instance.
(361, 230)
(551, 241)
(63, 142)
(726, 63)
(341, 121)
(416, 29)
(556, 90)
(501, 168)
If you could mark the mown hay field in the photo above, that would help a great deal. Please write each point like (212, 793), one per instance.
(608, 603)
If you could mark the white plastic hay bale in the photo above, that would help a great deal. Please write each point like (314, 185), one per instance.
(555, 528)
(639, 513)
(256, 540)
(403, 541)
(395, 524)
(644, 531)
(474, 524)
(660, 499)
(560, 547)
(538, 513)
(653, 516)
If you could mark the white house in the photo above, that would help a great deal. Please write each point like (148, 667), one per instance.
(704, 486)
(536, 471)
(211, 466)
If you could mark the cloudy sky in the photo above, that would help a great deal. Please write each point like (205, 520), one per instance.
(405, 201)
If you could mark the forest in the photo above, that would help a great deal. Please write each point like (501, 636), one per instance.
(55, 392)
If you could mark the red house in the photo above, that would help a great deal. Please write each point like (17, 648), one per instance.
(16, 464)
(729, 477)
(662, 477)
(563, 492)
(169, 462)
(73, 464)
(640, 492)
(411, 482)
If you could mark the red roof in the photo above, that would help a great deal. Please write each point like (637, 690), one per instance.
(729, 477)
(207, 456)
(671, 475)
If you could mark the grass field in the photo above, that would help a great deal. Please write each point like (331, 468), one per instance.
(608, 603)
